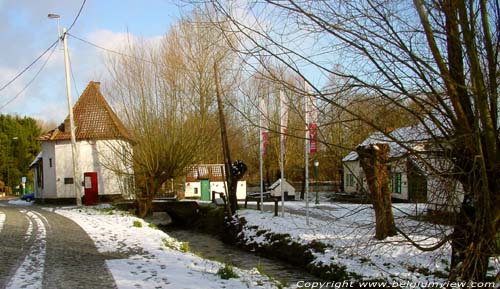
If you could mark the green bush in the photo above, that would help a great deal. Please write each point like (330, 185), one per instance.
(185, 247)
(227, 272)
(137, 224)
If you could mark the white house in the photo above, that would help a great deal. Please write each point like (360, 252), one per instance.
(104, 147)
(411, 175)
(275, 189)
(204, 179)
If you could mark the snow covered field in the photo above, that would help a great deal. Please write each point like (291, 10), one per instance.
(348, 230)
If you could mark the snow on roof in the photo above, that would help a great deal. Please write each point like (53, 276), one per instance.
(37, 158)
(398, 141)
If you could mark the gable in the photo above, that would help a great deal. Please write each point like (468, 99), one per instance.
(94, 119)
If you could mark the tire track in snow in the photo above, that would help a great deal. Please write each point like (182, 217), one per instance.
(2, 221)
(29, 274)
(13, 242)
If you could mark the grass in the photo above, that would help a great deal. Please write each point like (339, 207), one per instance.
(169, 245)
(227, 272)
(137, 224)
(185, 247)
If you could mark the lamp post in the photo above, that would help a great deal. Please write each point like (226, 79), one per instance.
(74, 152)
(10, 162)
(316, 167)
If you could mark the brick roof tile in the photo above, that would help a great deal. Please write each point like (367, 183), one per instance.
(94, 119)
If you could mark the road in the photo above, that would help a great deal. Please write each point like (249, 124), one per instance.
(41, 249)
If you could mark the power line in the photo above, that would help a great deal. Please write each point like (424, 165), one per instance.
(138, 58)
(43, 53)
(72, 74)
(29, 66)
(77, 15)
(33, 79)
(110, 50)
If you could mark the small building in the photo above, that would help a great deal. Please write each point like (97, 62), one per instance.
(104, 149)
(275, 189)
(204, 179)
(407, 180)
(411, 176)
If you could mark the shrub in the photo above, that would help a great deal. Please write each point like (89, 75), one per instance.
(184, 247)
(227, 272)
(137, 224)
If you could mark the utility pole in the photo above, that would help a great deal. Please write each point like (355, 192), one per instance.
(74, 149)
(232, 205)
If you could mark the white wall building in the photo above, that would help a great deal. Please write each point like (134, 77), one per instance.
(203, 179)
(104, 148)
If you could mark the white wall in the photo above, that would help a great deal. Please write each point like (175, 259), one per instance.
(94, 156)
(353, 167)
(400, 166)
(191, 188)
(49, 172)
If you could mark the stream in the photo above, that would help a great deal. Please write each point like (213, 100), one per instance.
(210, 247)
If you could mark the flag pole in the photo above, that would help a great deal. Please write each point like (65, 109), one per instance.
(282, 155)
(306, 150)
(261, 160)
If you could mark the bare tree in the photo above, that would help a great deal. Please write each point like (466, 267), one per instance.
(436, 60)
(166, 138)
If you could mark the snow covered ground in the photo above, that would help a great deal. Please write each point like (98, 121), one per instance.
(348, 230)
(149, 258)
(155, 260)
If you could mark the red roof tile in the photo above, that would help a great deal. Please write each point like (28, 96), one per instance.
(94, 119)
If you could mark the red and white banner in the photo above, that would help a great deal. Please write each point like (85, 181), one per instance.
(283, 117)
(311, 119)
(264, 132)
(313, 138)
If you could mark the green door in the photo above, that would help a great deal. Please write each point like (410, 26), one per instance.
(205, 190)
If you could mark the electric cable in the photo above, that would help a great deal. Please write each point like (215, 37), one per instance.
(34, 77)
(72, 74)
(77, 16)
(43, 53)
(29, 66)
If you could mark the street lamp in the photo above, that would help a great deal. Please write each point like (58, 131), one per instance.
(316, 166)
(74, 150)
(10, 163)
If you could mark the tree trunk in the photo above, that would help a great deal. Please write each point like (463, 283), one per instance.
(474, 240)
(373, 159)
(231, 181)
(144, 199)
(144, 206)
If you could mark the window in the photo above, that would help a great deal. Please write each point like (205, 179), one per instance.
(395, 183)
(50, 162)
(349, 180)
(68, 181)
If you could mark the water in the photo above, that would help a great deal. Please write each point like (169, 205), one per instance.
(212, 248)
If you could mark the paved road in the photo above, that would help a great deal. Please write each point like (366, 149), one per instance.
(41, 249)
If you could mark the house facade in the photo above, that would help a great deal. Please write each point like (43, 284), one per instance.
(420, 176)
(204, 179)
(104, 149)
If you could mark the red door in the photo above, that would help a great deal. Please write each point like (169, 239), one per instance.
(91, 196)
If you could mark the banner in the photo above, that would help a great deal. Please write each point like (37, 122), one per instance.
(264, 131)
(311, 119)
(313, 138)
(283, 117)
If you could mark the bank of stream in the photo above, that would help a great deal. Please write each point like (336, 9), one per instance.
(211, 247)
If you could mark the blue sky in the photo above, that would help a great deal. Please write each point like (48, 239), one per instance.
(25, 32)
